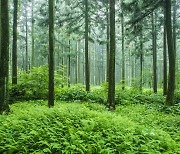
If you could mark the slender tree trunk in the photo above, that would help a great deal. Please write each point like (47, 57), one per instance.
(14, 47)
(77, 61)
(111, 87)
(154, 52)
(33, 56)
(69, 64)
(51, 54)
(4, 56)
(171, 52)
(107, 44)
(141, 61)
(87, 71)
(26, 38)
(174, 24)
(123, 54)
(164, 59)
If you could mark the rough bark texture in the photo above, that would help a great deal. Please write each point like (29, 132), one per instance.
(87, 71)
(111, 85)
(171, 79)
(14, 46)
(4, 56)
(51, 54)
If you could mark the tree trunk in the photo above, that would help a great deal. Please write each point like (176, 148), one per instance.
(69, 64)
(87, 71)
(51, 54)
(141, 61)
(4, 56)
(26, 39)
(77, 62)
(111, 87)
(154, 44)
(33, 56)
(14, 47)
(171, 80)
(164, 60)
(107, 45)
(123, 54)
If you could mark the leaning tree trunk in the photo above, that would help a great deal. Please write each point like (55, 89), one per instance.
(4, 56)
(14, 47)
(111, 85)
(51, 54)
(171, 52)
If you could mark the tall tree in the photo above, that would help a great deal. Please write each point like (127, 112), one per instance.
(154, 47)
(26, 14)
(14, 47)
(69, 63)
(164, 58)
(51, 54)
(4, 55)
(171, 52)
(141, 58)
(111, 85)
(107, 44)
(87, 71)
(123, 53)
(32, 35)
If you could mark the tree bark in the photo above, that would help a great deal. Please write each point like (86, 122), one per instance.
(51, 54)
(14, 46)
(87, 71)
(171, 52)
(33, 56)
(154, 44)
(111, 85)
(4, 56)
(27, 63)
(141, 60)
(164, 59)
(69, 64)
(107, 45)
(123, 54)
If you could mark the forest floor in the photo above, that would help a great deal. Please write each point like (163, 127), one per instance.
(32, 127)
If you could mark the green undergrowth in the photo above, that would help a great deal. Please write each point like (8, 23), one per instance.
(32, 127)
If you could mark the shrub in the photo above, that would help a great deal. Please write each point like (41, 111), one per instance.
(34, 85)
(74, 128)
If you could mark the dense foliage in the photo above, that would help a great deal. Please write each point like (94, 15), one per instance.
(87, 128)
(34, 85)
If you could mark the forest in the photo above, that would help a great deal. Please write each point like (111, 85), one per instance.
(90, 76)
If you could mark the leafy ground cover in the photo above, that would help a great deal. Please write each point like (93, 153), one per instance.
(31, 127)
